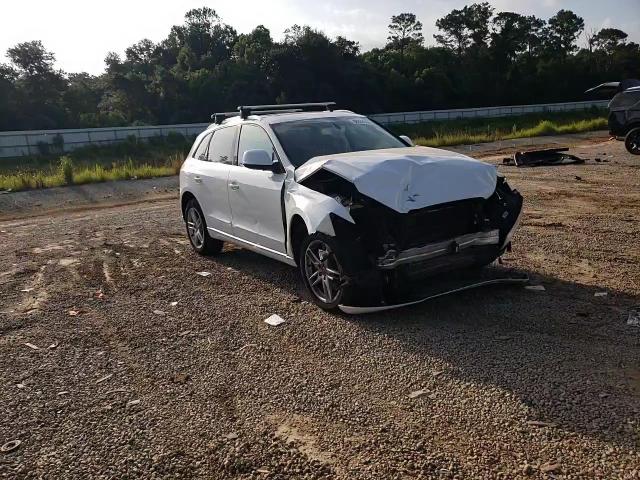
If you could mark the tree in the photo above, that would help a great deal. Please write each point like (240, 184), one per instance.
(405, 31)
(563, 30)
(454, 34)
(609, 39)
(477, 19)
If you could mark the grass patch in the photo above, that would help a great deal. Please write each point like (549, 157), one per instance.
(470, 131)
(128, 160)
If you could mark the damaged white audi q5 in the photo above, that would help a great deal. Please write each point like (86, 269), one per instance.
(362, 213)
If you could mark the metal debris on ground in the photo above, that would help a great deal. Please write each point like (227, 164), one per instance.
(275, 320)
(159, 312)
(173, 304)
(547, 156)
(10, 446)
(537, 288)
(417, 393)
(32, 346)
(132, 403)
(600, 294)
(634, 317)
(204, 274)
(105, 378)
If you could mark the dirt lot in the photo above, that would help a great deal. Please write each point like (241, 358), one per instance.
(104, 375)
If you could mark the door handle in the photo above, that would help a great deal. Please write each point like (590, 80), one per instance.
(197, 179)
(234, 186)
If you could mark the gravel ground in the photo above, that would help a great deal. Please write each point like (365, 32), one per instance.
(118, 361)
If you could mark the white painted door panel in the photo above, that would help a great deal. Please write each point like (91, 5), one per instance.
(256, 207)
(210, 182)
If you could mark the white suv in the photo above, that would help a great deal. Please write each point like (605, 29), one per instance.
(358, 210)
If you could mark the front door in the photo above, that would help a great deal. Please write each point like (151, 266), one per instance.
(255, 196)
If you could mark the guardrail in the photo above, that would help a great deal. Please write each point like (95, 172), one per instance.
(35, 142)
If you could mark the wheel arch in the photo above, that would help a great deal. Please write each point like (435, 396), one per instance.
(185, 198)
(298, 230)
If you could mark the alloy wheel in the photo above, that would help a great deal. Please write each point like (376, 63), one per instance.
(323, 272)
(633, 142)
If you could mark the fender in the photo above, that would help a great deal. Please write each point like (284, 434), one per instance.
(314, 208)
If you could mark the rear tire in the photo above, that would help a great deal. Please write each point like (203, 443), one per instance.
(632, 141)
(197, 230)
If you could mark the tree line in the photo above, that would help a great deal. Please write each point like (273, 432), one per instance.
(481, 58)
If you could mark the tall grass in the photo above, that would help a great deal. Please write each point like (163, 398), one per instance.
(460, 132)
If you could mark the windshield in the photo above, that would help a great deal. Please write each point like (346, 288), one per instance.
(305, 139)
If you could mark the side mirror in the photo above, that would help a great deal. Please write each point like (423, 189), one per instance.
(407, 140)
(257, 160)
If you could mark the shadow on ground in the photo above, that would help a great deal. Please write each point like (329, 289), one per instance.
(567, 354)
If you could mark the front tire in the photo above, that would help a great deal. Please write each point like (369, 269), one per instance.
(197, 231)
(632, 141)
(324, 266)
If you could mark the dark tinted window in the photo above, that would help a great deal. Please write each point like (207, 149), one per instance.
(221, 146)
(253, 137)
(305, 139)
(201, 151)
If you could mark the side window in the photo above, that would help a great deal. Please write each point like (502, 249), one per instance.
(253, 137)
(201, 151)
(221, 146)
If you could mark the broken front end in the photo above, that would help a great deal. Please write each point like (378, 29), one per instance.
(403, 247)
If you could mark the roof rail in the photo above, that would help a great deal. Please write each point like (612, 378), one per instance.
(246, 110)
(220, 116)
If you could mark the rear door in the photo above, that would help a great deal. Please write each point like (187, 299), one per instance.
(255, 196)
(212, 176)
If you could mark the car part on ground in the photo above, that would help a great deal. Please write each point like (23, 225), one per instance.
(448, 285)
(543, 157)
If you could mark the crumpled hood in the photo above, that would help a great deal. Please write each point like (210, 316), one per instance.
(406, 179)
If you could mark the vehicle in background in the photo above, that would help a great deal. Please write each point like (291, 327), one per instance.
(624, 112)
(361, 212)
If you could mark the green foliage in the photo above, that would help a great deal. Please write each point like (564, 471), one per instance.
(66, 170)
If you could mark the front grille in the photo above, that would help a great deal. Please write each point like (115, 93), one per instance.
(434, 224)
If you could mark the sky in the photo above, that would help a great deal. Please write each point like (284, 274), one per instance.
(82, 32)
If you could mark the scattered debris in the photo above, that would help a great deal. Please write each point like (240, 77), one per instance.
(600, 294)
(263, 470)
(578, 178)
(32, 346)
(634, 317)
(185, 333)
(99, 295)
(105, 378)
(417, 393)
(64, 392)
(536, 423)
(547, 156)
(248, 345)
(173, 304)
(53, 346)
(181, 378)
(603, 395)
(437, 373)
(159, 312)
(20, 386)
(10, 446)
(204, 274)
(132, 403)
(73, 313)
(275, 320)
(549, 467)
(536, 288)
(27, 290)
(231, 436)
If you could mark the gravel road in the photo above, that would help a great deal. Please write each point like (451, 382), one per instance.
(118, 361)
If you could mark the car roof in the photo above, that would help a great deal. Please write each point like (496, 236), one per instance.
(275, 118)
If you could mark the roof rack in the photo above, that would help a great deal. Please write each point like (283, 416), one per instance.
(245, 110)
(220, 116)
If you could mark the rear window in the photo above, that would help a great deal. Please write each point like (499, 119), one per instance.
(221, 147)
(201, 151)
